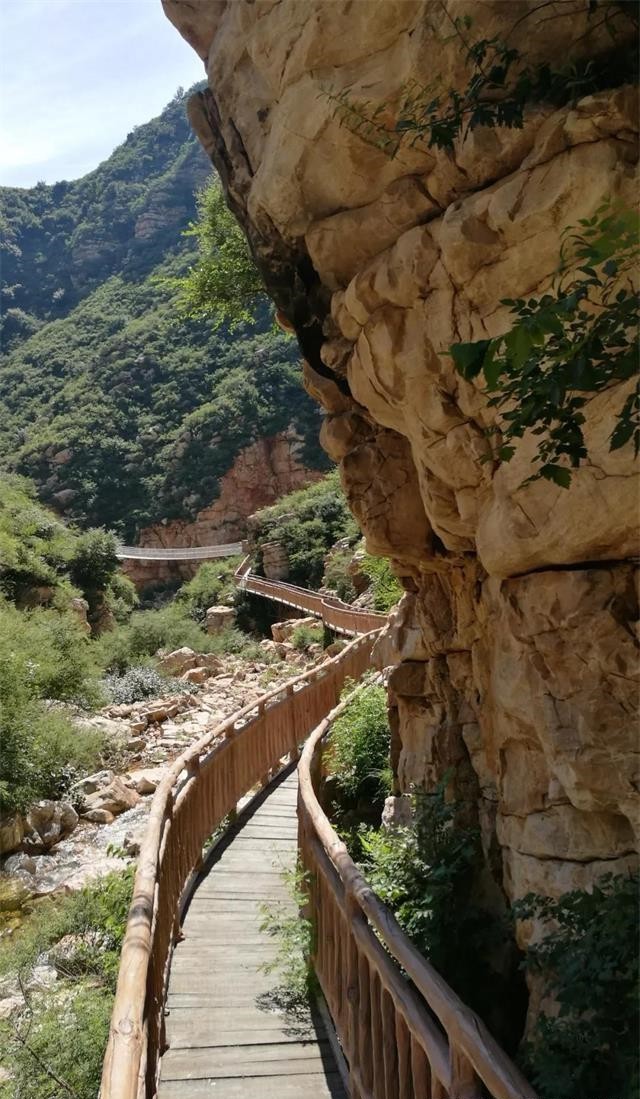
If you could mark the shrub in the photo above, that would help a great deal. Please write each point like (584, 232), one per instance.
(387, 589)
(303, 637)
(358, 755)
(93, 562)
(56, 1045)
(307, 523)
(53, 654)
(141, 681)
(213, 583)
(34, 545)
(121, 597)
(337, 577)
(589, 959)
(426, 875)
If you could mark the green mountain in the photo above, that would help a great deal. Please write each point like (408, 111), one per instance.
(120, 409)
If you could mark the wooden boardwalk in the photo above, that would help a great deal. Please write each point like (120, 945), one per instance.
(226, 1039)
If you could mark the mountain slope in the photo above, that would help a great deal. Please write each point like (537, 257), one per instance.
(122, 412)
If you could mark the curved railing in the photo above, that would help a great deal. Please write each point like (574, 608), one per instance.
(181, 553)
(408, 1037)
(201, 788)
(339, 616)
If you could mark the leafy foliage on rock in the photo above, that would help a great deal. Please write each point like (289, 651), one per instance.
(501, 84)
(567, 346)
(223, 283)
(307, 523)
(358, 752)
(387, 589)
(589, 961)
(427, 875)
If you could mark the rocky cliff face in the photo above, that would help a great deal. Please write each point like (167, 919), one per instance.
(513, 647)
(260, 475)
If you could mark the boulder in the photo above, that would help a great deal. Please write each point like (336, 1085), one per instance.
(146, 780)
(115, 798)
(219, 619)
(91, 783)
(11, 833)
(47, 823)
(196, 675)
(282, 631)
(178, 661)
(22, 863)
(99, 816)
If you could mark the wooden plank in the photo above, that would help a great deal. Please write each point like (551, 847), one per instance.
(221, 1041)
(302, 1086)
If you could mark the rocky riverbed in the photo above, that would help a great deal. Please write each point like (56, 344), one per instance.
(58, 847)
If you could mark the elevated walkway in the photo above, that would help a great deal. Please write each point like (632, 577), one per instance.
(227, 1036)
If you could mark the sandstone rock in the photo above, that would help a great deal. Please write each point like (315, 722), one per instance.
(275, 561)
(219, 618)
(19, 863)
(99, 816)
(115, 798)
(282, 631)
(11, 833)
(48, 822)
(196, 675)
(91, 783)
(146, 780)
(210, 661)
(178, 661)
(397, 812)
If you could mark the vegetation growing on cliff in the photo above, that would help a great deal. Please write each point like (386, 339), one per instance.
(588, 961)
(567, 346)
(307, 523)
(223, 284)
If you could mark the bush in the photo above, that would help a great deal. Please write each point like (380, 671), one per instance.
(93, 562)
(51, 652)
(62, 1033)
(141, 681)
(358, 755)
(387, 589)
(121, 597)
(426, 874)
(307, 523)
(213, 583)
(303, 637)
(34, 544)
(590, 961)
(337, 577)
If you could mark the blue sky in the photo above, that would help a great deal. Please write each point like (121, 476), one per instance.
(76, 76)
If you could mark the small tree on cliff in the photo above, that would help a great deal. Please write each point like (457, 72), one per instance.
(224, 284)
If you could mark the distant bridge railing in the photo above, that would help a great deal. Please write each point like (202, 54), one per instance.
(404, 1037)
(339, 616)
(201, 788)
(182, 553)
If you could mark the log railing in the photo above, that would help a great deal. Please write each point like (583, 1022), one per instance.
(339, 616)
(404, 1032)
(202, 787)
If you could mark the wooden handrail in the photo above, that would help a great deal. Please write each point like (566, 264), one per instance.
(336, 614)
(399, 1040)
(200, 789)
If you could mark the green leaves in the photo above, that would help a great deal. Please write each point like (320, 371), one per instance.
(588, 961)
(566, 347)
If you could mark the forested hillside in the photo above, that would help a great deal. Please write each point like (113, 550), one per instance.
(120, 409)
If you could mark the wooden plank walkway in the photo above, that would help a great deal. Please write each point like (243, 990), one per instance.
(226, 1039)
